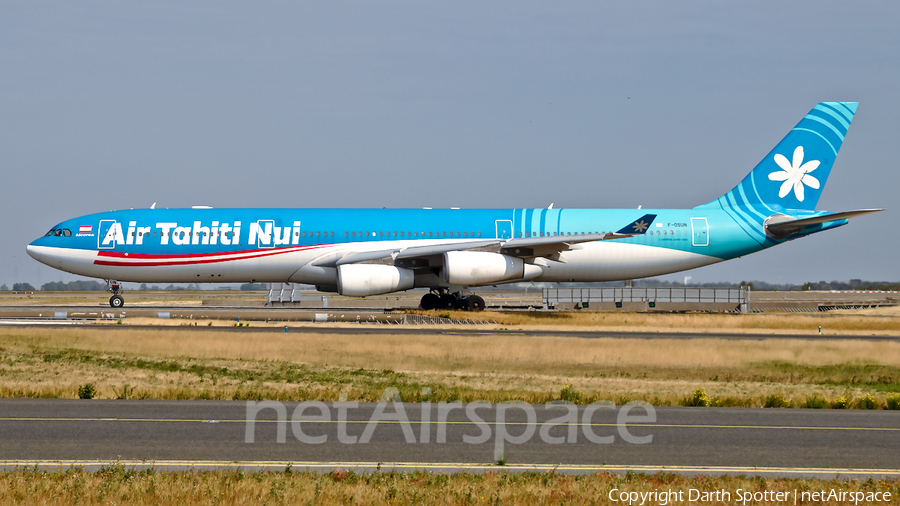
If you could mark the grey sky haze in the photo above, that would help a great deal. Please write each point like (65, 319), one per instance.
(108, 105)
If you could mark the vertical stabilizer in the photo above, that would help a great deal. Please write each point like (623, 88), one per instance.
(793, 174)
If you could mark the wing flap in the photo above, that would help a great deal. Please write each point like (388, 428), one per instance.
(551, 247)
(394, 255)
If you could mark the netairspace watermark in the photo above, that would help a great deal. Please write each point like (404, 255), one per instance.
(741, 496)
(307, 415)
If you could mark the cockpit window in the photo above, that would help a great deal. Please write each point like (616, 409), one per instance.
(59, 232)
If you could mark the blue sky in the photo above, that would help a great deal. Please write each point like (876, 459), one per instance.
(108, 105)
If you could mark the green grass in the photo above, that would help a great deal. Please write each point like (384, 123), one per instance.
(191, 378)
(871, 376)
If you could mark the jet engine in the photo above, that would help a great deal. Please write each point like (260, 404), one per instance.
(359, 280)
(470, 268)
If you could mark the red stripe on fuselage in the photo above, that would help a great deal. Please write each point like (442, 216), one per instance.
(196, 258)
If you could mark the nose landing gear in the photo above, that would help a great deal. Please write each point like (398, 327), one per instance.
(116, 300)
(443, 299)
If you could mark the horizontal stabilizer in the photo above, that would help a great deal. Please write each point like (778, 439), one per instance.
(782, 225)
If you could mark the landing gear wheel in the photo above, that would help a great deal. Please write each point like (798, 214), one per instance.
(116, 301)
(449, 301)
(474, 303)
(430, 301)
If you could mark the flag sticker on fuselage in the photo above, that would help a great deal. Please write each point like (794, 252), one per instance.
(85, 229)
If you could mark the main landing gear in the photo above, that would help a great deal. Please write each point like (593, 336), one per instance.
(116, 300)
(443, 299)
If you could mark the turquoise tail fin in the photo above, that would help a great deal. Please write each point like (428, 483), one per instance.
(793, 174)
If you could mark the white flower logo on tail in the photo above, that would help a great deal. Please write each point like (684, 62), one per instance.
(795, 174)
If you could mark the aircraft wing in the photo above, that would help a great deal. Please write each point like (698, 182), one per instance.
(781, 225)
(414, 256)
(524, 247)
(551, 247)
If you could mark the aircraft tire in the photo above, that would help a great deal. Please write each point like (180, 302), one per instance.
(448, 301)
(429, 301)
(474, 303)
(116, 301)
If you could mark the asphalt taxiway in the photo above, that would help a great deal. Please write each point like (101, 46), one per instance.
(454, 330)
(216, 434)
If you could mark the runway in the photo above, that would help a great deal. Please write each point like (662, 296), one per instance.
(467, 330)
(323, 436)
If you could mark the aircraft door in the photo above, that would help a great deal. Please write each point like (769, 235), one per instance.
(106, 234)
(699, 227)
(504, 229)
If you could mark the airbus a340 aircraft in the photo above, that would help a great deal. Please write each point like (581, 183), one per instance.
(363, 252)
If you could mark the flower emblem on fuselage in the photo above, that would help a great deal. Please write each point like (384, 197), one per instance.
(795, 174)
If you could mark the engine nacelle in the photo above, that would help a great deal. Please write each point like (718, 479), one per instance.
(359, 280)
(470, 268)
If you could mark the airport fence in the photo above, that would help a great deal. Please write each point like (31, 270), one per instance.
(661, 299)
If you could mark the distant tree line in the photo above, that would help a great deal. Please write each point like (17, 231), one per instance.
(170, 288)
(853, 284)
(253, 286)
(19, 287)
(74, 286)
(88, 286)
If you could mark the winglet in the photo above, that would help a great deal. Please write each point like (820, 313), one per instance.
(638, 226)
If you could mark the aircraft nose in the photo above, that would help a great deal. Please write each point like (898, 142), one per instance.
(39, 252)
(33, 251)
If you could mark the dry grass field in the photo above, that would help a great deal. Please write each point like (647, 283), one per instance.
(165, 363)
(117, 485)
(187, 364)
(882, 321)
